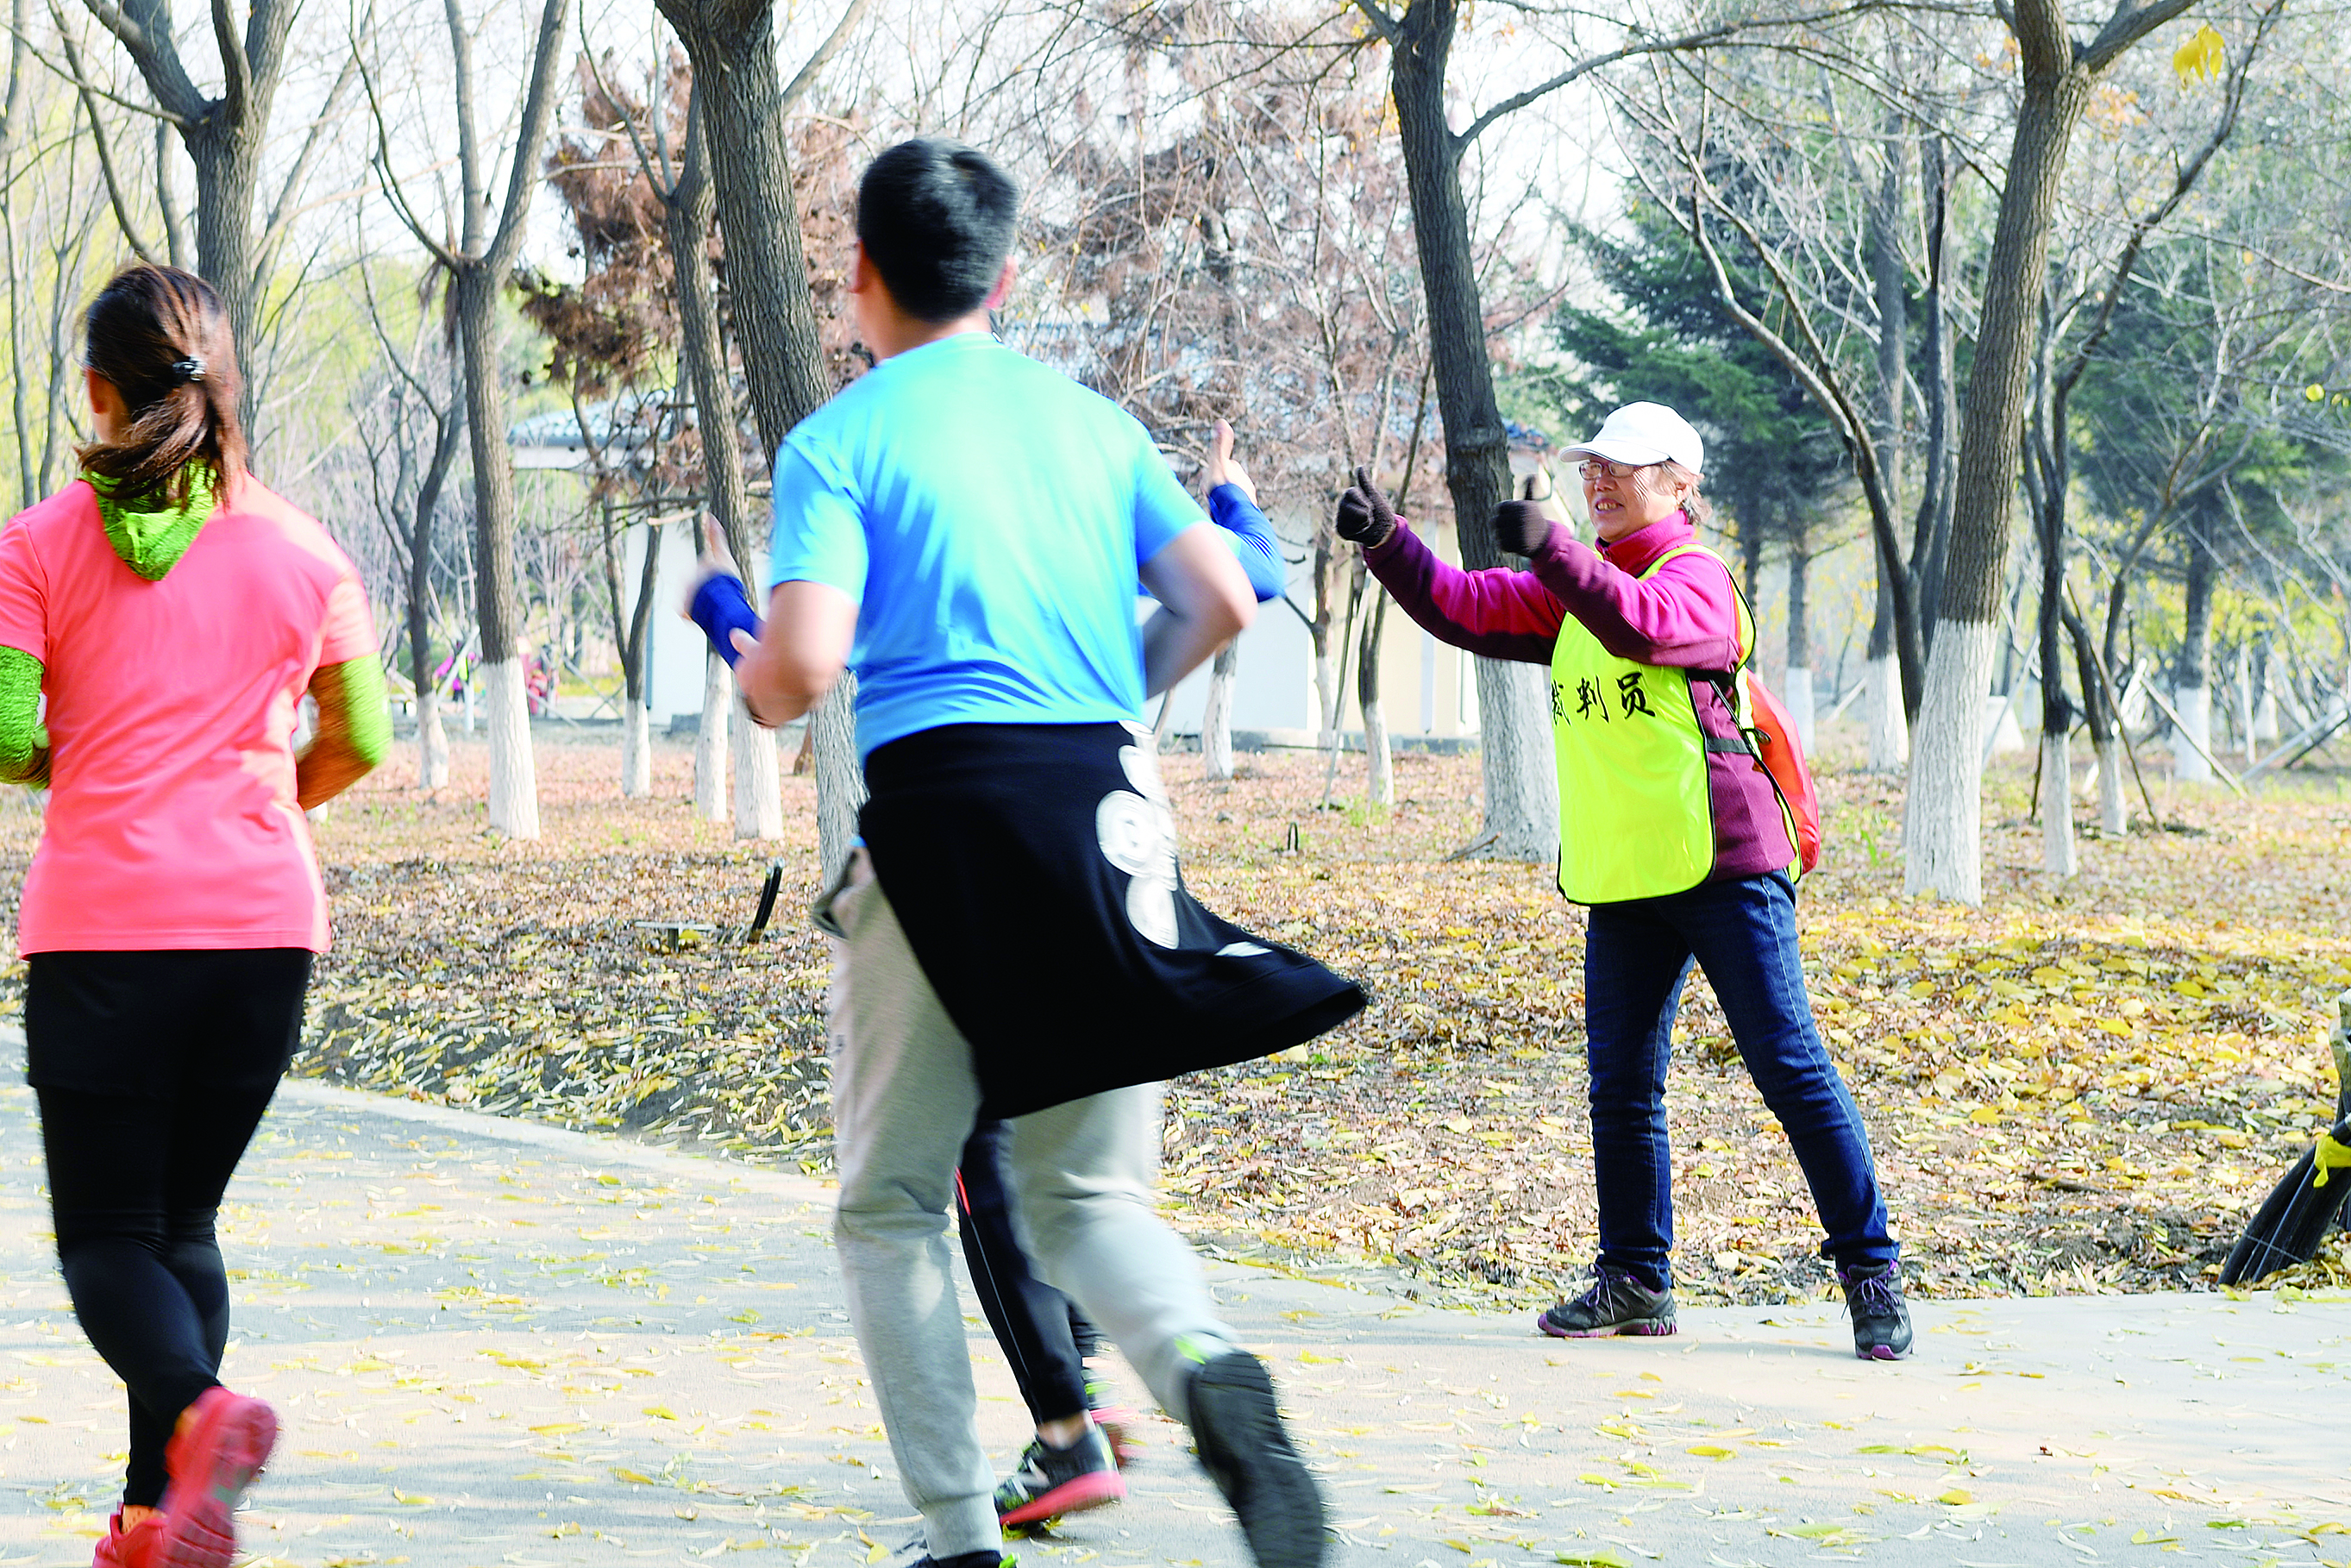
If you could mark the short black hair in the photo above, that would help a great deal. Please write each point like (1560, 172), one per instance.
(934, 218)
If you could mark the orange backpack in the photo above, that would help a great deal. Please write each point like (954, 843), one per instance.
(1773, 740)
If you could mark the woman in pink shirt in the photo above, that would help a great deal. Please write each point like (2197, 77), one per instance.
(170, 612)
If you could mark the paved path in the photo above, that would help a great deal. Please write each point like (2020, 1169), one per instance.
(494, 1343)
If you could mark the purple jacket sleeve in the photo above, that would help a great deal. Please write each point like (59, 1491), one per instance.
(1498, 614)
(1683, 616)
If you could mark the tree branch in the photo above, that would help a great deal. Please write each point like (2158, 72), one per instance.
(803, 78)
(2181, 184)
(1680, 45)
(144, 30)
(1381, 22)
(2125, 29)
(101, 142)
(538, 110)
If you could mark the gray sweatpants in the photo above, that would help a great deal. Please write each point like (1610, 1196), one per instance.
(904, 1098)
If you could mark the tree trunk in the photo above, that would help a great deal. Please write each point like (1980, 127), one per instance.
(1379, 770)
(432, 745)
(514, 785)
(2191, 694)
(633, 629)
(1942, 838)
(710, 748)
(2114, 802)
(636, 748)
(2056, 803)
(1942, 816)
(506, 707)
(1799, 696)
(731, 44)
(839, 779)
(1931, 529)
(1216, 717)
(758, 778)
(2265, 713)
(1521, 781)
(688, 213)
(432, 742)
(1889, 741)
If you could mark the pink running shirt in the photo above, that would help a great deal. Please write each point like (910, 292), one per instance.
(172, 817)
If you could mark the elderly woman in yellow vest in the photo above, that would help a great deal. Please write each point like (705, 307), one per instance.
(1672, 832)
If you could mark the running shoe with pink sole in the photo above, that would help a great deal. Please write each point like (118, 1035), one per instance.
(211, 1459)
(1053, 1481)
(136, 1547)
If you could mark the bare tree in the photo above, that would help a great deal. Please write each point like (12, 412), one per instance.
(1942, 829)
(732, 46)
(478, 262)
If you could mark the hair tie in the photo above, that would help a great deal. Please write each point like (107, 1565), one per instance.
(191, 368)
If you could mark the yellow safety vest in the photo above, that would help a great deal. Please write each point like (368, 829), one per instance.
(1636, 814)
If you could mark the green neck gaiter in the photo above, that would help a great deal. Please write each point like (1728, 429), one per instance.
(151, 543)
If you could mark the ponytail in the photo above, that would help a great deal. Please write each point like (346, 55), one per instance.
(161, 337)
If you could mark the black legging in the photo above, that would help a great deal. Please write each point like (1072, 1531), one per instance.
(1044, 1337)
(137, 1165)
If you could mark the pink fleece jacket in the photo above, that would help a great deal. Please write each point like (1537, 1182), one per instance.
(1683, 616)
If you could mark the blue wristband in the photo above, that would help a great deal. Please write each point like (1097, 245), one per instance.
(720, 606)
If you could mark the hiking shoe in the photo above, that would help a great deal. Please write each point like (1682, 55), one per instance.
(1881, 1318)
(131, 1548)
(1616, 1303)
(210, 1461)
(1246, 1451)
(965, 1559)
(1052, 1482)
(1117, 1422)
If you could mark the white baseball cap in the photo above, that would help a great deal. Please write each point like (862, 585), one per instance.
(1646, 433)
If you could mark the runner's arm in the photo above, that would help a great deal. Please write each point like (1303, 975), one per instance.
(24, 743)
(1205, 600)
(800, 652)
(354, 731)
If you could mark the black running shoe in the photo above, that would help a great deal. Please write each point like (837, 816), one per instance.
(1052, 1482)
(1246, 1452)
(1616, 1303)
(1881, 1318)
(962, 1560)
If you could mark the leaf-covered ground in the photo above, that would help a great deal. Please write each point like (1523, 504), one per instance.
(2076, 1087)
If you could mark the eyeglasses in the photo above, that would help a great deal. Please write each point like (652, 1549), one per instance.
(1598, 469)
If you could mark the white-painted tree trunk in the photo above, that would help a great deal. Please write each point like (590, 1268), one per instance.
(1799, 701)
(758, 782)
(636, 751)
(1216, 717)
(1379, 767)
(1881, 707)
(1326, 697)
(514, 774)
(1519, 764)
(2245, 706)
(2194, 705)
(839, 778)
(468, 689)
(710, 743)
(2265, 714)
(2056, 803)
(2114, 800)
(432, 743)
(1942, 826)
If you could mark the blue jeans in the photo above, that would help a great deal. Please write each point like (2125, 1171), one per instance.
(1743, 934)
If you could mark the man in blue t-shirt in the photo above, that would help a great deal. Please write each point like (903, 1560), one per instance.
(965, 528)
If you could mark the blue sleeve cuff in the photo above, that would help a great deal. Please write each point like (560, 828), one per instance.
(719, 607)
(1230, 509)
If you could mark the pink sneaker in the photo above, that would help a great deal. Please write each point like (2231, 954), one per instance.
(132, 1548)
(211, 1460)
